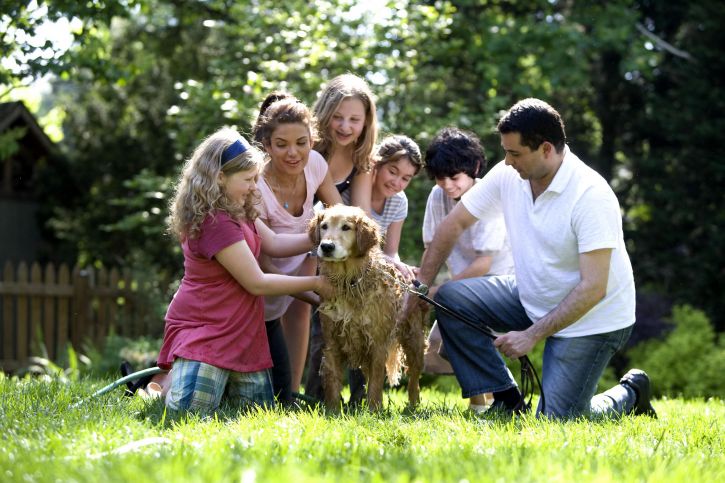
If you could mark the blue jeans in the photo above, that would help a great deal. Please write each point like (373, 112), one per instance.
(572, 366)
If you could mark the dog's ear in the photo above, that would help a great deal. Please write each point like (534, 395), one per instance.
(313, 229)
(368, 234)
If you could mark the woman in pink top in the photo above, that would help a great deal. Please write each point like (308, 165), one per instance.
(293, 177)
(215, 336)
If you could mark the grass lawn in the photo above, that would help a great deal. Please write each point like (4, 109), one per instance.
(113, 438)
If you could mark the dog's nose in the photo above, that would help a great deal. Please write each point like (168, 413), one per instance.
(327, 247)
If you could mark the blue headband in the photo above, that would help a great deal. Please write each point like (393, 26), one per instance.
(233, 150)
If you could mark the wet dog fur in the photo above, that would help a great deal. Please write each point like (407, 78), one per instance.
(359, 321)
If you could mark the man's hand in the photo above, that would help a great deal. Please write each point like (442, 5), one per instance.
(515, 344)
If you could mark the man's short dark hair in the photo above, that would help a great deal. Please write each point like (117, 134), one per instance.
(536, 121)
(454, 151)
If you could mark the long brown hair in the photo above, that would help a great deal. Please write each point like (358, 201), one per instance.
(342, 87)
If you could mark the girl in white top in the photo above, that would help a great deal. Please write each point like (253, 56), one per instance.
(399, 160)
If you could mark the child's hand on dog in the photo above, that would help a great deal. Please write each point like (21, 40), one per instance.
(324, 288)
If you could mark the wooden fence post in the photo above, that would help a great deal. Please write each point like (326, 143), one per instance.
(21, 337)
(9, 342)
(36, 309)
(101, 292)
(114, 297)
(81, 306)
(63, 305)
(49, 327)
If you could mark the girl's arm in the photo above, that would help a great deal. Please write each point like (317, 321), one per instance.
(309, 297)
(327, 191)
(240, 262)
(390, 249)
(392, 238)
(282, 245)
(478, 268)
(361, 191)
(268, 267)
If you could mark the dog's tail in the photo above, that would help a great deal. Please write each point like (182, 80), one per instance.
(394, 365)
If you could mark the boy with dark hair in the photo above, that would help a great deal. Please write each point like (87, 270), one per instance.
(455, 159)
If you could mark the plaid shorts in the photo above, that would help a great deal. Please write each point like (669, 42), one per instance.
(199, 386)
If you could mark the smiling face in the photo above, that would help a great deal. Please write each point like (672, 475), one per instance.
(289, 148)
(347, 122)
(240, 184)
(455, 186)
(393, 177)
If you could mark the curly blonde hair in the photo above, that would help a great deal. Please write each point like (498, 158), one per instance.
(343, 87)
(198, 192)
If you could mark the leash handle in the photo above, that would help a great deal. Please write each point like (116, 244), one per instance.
(422, 291)
(529, 377)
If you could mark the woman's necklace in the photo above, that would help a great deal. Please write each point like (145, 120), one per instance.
(277, 188)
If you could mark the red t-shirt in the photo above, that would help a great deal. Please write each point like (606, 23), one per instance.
(212, 318)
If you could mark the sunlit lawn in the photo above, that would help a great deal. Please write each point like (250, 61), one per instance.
(113, 438)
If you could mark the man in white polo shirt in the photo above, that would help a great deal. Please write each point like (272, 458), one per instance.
(573, 287)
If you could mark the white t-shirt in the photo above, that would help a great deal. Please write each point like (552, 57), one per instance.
(483, 236)
(577, 213)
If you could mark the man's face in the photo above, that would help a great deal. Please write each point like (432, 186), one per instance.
(530, 164)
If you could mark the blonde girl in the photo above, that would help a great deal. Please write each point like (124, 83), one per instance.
(348, 132)
(214, 338)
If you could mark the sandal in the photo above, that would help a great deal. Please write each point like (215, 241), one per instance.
(133, 386)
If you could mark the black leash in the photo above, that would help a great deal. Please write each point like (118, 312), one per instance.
(528, 373)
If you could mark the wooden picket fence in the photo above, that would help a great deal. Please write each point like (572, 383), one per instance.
(49, 307)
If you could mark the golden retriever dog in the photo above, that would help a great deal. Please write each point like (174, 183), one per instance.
(359, 321)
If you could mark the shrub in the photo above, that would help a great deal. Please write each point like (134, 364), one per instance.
(690, 362)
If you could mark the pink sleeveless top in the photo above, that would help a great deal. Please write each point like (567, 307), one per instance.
(281, 221)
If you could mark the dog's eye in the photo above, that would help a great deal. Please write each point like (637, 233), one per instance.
(323, 226)
(345, 227)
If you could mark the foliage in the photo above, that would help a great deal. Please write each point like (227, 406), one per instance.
(674, 215)
(689, 362)
(114, 438)
(9, 142)
(140, 352)
(77, 365)
(637, 82)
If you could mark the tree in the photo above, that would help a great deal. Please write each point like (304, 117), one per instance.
(637, 82)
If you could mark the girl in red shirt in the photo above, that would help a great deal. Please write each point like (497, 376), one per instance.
(214, 336)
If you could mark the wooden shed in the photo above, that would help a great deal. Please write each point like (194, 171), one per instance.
(20, 235)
